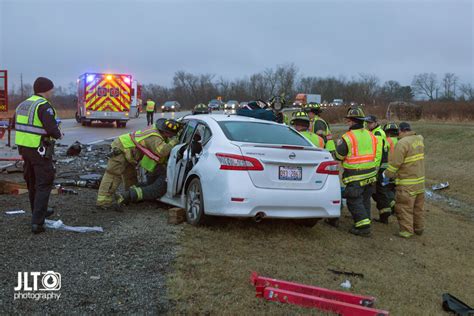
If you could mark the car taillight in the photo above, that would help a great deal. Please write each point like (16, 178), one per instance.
(238, 162)
(328, 167)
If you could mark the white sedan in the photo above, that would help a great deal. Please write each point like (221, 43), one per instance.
(230, 165)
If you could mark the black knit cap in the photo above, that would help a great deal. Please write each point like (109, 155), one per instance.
(42, 84)
(404, 126)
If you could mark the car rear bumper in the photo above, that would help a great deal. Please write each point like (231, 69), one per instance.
(236, 196)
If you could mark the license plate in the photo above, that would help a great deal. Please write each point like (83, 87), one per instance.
(290, 173)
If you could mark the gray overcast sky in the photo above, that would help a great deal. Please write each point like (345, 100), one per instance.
(153, 39)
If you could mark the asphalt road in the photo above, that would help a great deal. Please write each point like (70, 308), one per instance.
(99, 131)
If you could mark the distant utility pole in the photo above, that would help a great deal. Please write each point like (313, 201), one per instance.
(21, 86)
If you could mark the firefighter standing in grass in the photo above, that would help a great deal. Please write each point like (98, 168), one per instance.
(36, 128)
(391, 130)
(360, 153)
(150, 110)
(300, 122)
(319, 126)
(407, 166)
(149, 148)
(382, 195)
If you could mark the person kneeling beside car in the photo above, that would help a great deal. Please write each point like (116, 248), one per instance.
(149, 147)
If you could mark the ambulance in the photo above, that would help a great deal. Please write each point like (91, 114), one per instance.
(104, 97)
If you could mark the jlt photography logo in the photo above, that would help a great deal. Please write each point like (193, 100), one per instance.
(38, 285)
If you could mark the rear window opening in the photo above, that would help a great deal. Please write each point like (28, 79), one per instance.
(262, 133)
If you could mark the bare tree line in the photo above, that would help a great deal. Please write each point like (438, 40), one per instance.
(190, 89)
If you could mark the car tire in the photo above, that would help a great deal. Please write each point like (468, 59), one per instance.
(195, 214)
(308, 222)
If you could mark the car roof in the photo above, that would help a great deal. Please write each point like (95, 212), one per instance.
(226, 117)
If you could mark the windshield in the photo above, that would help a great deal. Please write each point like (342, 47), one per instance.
(262, 133)
(232, 102)
(169, 103)
(213, 102)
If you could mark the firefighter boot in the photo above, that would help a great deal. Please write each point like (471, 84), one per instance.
(384, 216)
(122, 199)
(363, 232)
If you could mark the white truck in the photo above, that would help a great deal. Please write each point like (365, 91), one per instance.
(303, 98)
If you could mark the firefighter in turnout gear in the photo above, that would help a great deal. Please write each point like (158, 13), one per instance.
(360, 153)
(150, 110)
(148, 148)
(382, 196)
(391, 130)
(319, 126)
(300, 122)
(36, 128)
(407, 166)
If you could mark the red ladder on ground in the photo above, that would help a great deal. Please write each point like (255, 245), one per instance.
(339, 302)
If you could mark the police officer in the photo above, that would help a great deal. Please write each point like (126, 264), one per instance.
(300, 122)
(319, 126)
(149, 148)
(36, 129)
(382, 195)
(150, 110)
(360, 153)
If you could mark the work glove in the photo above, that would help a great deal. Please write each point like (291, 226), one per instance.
(385, 180)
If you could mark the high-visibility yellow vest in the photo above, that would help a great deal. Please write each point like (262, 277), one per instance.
(150, 106)
(149, 160)
(382, 137)
(315, 139)
(28, 126)
(363, 154)
(392, 141)
(330, 145)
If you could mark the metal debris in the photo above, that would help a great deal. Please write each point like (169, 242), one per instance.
(440, 186)
(354, 274)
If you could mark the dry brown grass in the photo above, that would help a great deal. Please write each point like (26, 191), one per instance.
(407, 276)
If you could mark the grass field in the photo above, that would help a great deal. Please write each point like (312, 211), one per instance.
(408, 277)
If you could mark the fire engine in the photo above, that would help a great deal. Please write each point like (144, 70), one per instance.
(103, 97)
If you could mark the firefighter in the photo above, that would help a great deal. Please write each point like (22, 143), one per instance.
(391, 130)
(382, 196)
(277, 104)
(319, 126)
(150, 110)
(149, 148)
(201, 108)
(300, 122)
(407, 166)
(360, 153)
(36, 129)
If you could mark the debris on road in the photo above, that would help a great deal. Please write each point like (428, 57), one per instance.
(74, 149)
(440, 186)
(15, 212)
(455, 305)
(10, 187)
(176, 215)
(78, 229)
(346, 284)
(339, 302)
(354, 274)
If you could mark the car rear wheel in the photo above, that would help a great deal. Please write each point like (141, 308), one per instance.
(195, 204)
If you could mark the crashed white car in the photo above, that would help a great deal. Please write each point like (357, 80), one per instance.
(230, 165)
